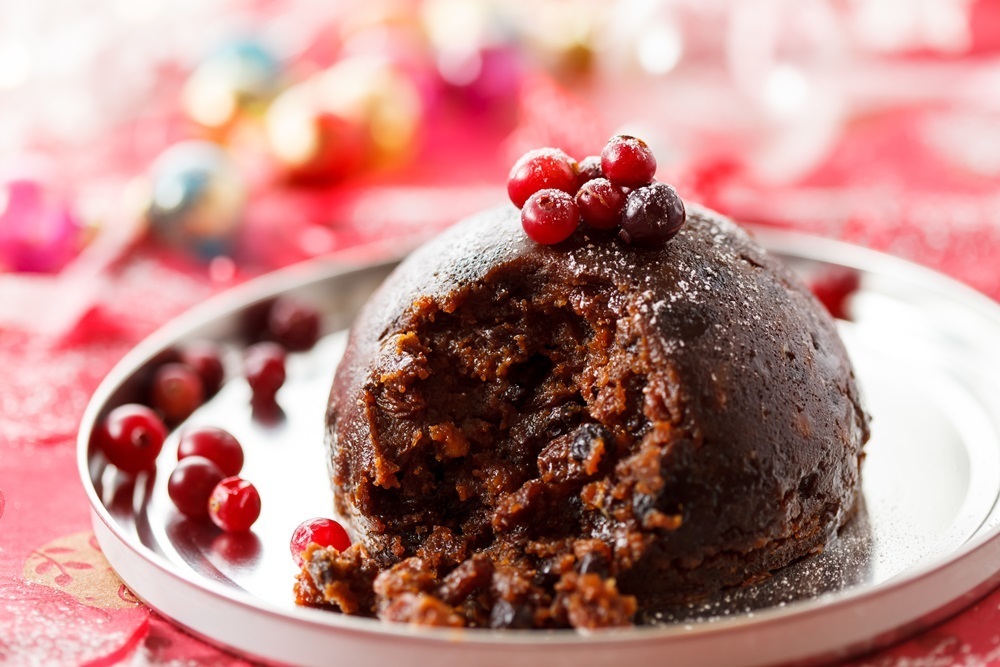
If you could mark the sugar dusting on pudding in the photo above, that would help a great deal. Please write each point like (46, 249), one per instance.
(531, 435)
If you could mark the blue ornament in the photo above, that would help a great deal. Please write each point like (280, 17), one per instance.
(196, 198)
(235, 79)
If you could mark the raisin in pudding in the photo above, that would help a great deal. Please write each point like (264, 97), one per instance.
(541, 436)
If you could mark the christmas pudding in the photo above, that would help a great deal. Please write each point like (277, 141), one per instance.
(526, 435)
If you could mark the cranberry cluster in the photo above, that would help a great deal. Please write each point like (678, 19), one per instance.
(205, 482)
(555, 192)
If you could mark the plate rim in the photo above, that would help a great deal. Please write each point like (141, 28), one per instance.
(381, 254)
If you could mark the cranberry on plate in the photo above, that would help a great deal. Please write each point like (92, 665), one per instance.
(205, 359)
(324, 532)
(265, 371)
(191, 483)
(177, 392)
(293, 325)
(214, 444)
(131, 436)
(234, 505)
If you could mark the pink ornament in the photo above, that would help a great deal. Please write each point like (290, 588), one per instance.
(486, 79)
(38, 233)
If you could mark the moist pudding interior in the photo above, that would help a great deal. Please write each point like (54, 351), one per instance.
(503, 410)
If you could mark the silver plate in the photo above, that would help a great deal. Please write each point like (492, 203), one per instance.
(926, 543)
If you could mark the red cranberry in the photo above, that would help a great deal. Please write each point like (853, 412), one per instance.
(653, 215)
(293, 325)
(234, 505)
(324, 532)
(589, 169)
(191, 483)
(834, 287)
(216, 445)
(541, 169)
(600, 203)
(206, 360)
(550, 216)
(131, 437)
(628, 162)
(265, 371)
(253, 321)
(177, 392)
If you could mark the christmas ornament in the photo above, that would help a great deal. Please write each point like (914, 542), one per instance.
(374, 94)
(361, 113)
(312, 143)
(476, 50)
(196, 197)
(238, 78)
(38, 231)
(486, 79)
(562, 36)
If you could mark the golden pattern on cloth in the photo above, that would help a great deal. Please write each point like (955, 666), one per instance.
(75, 565)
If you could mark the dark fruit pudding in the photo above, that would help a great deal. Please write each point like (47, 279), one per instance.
(534, 436)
